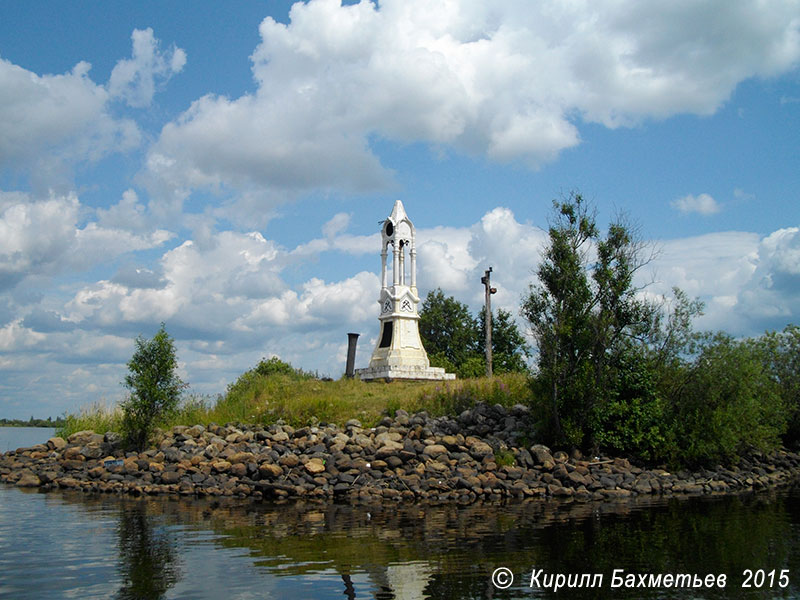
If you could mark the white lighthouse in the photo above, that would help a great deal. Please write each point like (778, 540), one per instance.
(399, 353)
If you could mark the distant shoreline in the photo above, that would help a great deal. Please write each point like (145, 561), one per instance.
(41, 423)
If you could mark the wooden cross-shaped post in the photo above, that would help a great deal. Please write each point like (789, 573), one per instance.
(486, 280)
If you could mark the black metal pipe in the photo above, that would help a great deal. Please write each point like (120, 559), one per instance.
(352, 340)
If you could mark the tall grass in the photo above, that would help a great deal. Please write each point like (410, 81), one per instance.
(453, 397)
(98, 417)
(299, 400)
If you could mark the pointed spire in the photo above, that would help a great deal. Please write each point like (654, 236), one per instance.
(398, 212)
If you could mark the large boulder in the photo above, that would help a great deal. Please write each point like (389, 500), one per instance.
(28, 479)
(85, 437)
(315, 466)
(56, 443)
(195, 432)
(169, 477)
(241, 457)
(437, 449)
(389, 448)
(270, 471)
(92, 451)
(542, 456)
(480, 450)
(289, 460)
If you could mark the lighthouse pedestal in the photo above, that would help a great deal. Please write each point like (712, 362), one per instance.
(415, 373)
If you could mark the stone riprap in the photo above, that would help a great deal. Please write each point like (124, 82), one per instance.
(409, 457)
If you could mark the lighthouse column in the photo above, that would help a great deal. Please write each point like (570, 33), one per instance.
(383, 267)
(413, 254)
(402, 262)
(395, 265)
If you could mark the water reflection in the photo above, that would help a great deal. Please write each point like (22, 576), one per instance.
(208, 549)
(148, 555)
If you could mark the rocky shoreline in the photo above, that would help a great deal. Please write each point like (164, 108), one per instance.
(480, 455)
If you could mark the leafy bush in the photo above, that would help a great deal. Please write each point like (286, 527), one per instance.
(504, 458)
(473, 366)
(440, 359)
(275, 366)
(155, 387)
(616, 372)
(633, 420)
(781, 354)
(729, 405)
(242, 395)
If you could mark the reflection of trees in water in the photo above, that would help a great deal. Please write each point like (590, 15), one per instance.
(697, 536)
(349, 590)
(449, 551)
(148, 557)
(723, 535)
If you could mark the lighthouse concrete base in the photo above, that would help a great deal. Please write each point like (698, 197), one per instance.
(389, 372)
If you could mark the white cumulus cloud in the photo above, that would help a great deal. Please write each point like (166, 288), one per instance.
(50, 123)
(135, 79)
(509, 80)
(44, 238)
(702, 204)
(772, 295)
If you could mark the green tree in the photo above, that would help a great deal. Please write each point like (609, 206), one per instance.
(455, 340)
(585, 316)
(673, 342)
(621, 373)
(449, 334)
(154, 385)
(509, 349)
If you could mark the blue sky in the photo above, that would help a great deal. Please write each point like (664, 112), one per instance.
(223, 167)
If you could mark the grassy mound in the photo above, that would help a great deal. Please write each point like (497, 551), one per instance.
(274, 390)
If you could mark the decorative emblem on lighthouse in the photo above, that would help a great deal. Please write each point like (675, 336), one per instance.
(399, 353)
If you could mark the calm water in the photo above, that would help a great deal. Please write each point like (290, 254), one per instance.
(12, 438)
(68, 545)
